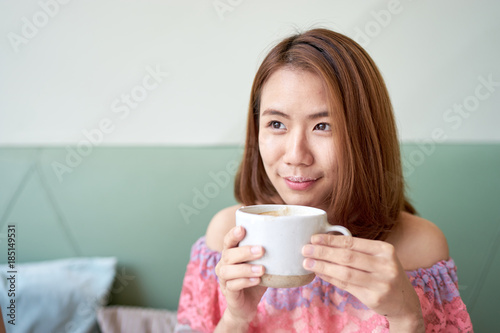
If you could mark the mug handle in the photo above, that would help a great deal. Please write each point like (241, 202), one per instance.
(343, 230)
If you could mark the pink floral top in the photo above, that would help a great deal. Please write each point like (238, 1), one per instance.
(318, 306)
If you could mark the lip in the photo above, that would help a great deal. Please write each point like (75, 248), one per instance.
(299, 183)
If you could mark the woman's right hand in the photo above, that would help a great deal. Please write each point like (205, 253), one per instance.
(239, 281)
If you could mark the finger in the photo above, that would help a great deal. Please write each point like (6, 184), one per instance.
(357, 291)
(343, 275)
(368, 246)
(342, 256)
(231, 272)
(383, 300)
(233, 237)
(243, 283)
(242, 254)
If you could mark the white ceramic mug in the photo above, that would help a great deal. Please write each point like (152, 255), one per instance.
(283, 230)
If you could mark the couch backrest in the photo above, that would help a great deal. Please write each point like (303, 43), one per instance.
(147, 206)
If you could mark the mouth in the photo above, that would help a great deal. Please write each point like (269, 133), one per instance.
(299, 183)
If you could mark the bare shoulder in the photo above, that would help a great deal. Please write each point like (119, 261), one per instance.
(220, 224)
(419, 243)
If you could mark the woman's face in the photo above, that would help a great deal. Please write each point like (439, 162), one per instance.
(295, 137)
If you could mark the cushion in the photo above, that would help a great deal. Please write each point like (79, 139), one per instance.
(56, 296)
(127, 319)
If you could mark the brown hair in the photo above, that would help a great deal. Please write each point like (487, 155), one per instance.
(369, 192)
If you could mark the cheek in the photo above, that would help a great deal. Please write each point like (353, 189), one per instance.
(270, 149)
(331, 161)
(326, 157)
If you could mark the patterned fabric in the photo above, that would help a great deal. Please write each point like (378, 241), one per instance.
(318, 306)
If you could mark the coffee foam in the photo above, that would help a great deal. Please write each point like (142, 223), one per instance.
(285, 211)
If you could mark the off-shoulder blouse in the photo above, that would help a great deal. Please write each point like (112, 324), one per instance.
(318, 306)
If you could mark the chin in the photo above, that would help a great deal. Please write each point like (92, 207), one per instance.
(298, 200)
(304, 199)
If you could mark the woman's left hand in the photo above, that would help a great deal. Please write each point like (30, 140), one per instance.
(368, 269)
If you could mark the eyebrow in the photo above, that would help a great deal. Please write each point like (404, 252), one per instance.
(271, 112)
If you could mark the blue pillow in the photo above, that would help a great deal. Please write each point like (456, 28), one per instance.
(56, 296)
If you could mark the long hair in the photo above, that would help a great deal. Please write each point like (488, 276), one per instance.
(368, 194)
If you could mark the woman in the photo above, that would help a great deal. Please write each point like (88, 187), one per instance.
(321, 133)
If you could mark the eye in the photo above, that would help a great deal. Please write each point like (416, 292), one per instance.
(276, 125)
(323, 127)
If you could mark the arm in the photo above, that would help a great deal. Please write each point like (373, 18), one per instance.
(239, 282)
(231, 325)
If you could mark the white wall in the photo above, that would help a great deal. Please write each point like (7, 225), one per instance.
(64, 66)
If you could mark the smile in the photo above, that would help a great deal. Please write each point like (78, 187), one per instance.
(299, 183)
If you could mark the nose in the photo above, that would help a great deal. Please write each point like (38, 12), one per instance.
(297, 150)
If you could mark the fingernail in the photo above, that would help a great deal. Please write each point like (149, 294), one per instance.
(256, 250)
(237, 231)
(253, 280)
(308, 250)
(256, 269)
(309, 263)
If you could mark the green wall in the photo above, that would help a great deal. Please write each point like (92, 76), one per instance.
(146, 206)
